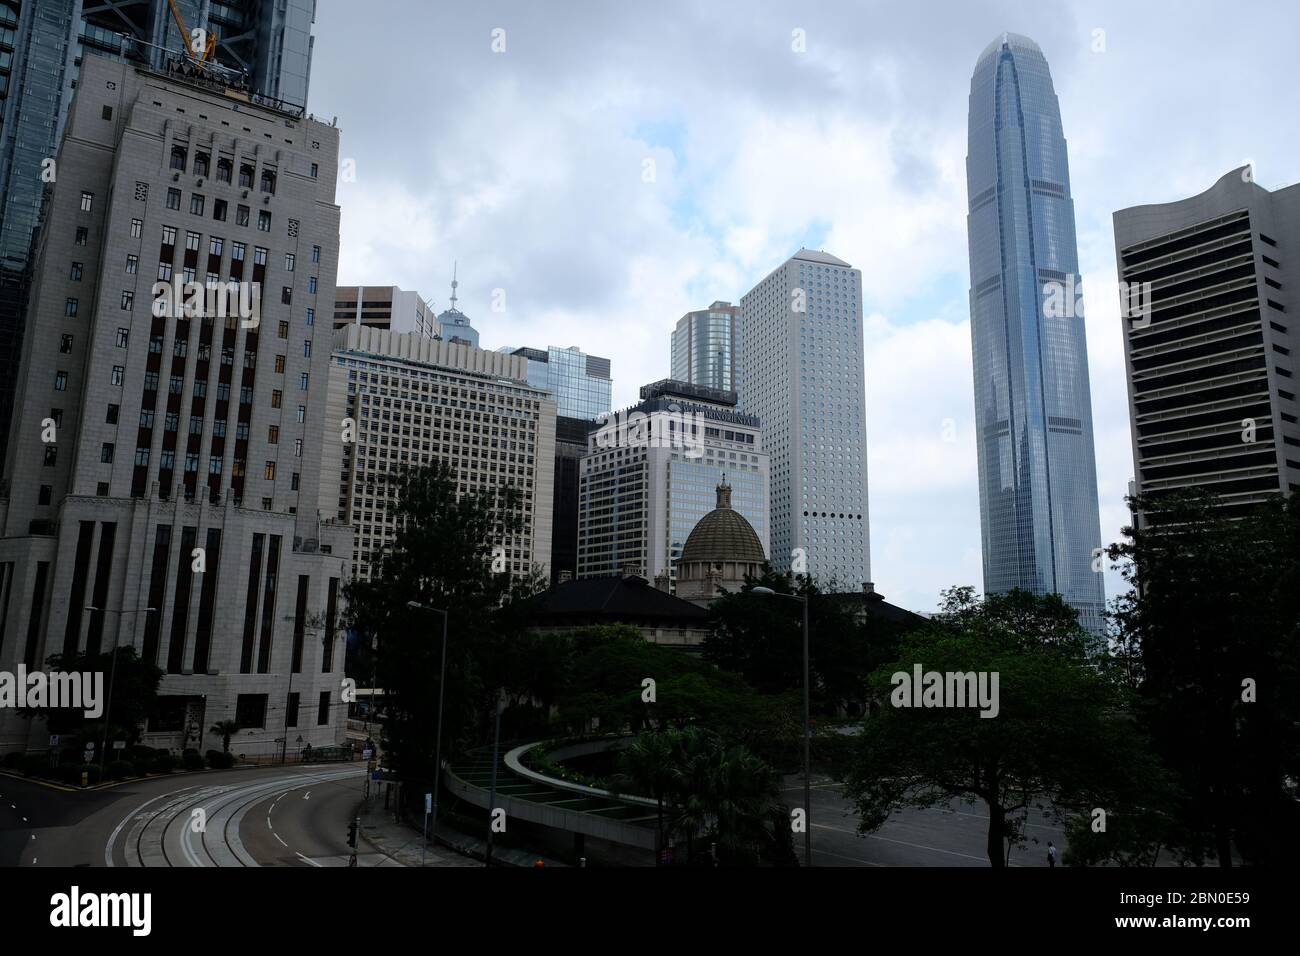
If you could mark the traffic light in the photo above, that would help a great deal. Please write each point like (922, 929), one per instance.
(352, 834)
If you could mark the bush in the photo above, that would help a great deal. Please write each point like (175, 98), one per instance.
(120, 770)
(140, 754)
(71, 774)
(13, 760)
(35, 765)
(218, 760)
(191, 760)
(163, 762)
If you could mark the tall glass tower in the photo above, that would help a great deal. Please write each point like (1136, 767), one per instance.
(1033, 409)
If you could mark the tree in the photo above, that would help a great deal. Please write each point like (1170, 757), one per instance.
(443, 558)
(1060, 737)
(1213, 630)
(225, 729)
(646, 766)
(135, 690)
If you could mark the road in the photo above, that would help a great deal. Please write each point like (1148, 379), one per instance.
(278, 816)
(953, 837)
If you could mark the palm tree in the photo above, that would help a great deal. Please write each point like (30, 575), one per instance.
(647, 766)
(225, 729)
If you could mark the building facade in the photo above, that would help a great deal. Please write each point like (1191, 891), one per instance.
(268, 43)
(651, 473)
(720, 552)
(415, 401)
(1210, 341)
(164, 456)
(704, 347)
(570, 448)
(580, 382)
(1033, 409)
(802, 375)
(384, 307)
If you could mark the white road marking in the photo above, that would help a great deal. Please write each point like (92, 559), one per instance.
(268, 822)
(282, 843)
(916, 846)
(311, 861)
(307, 795)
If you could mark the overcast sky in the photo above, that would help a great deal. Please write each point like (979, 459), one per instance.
(529, 167)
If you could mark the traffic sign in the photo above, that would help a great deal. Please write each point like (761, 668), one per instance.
(54, 740)
(428, 803)
(119, 744)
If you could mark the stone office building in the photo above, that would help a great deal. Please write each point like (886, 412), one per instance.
(172, 505)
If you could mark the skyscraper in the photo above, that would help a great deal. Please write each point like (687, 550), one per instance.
(164, 467)
(453, 324)
(268, 43)
(580, 382)
(1033, 411)
(1211, 347)
(704, 347)
(802, 375)
(384, 307)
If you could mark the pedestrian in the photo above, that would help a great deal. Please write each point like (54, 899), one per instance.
(1051, 854)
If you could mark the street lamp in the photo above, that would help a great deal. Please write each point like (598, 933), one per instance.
(442, 681)
(807, 743)
(112, 674)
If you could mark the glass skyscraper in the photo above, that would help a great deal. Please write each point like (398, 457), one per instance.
(1033, 409)
(704, 347)
(580, 382)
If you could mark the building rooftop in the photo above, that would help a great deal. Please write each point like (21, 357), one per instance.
(614, 599)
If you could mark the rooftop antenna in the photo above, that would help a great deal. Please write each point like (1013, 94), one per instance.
(454, 284)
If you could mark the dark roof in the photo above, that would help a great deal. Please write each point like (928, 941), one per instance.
(874, 605)
(614, 599)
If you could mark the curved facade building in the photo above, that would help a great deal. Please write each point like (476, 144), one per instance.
(1033, 410)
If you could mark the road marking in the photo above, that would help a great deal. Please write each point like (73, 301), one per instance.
(307, 795)
(311, 861)
(282, 843)
(916, 846)
(268, 822)
(108, 847)
(855, 859)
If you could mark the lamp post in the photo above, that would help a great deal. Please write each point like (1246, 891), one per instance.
(112, 674)
(807, 743)
(442, 681)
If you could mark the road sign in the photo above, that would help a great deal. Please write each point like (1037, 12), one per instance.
(428, 803)
(367, 754)
(119, 744)
(374, 775)
(54, 740)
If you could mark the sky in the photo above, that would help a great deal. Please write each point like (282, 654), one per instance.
(598, 169)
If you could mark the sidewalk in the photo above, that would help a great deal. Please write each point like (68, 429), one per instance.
(402, 844)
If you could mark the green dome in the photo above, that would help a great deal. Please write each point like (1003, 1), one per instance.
(723, 535)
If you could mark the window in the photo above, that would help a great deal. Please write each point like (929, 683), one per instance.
(136, 226)
(57, 415)
(306, 348)
(273, 434)
(128, 300)
(196, 425)
(165, 272)
(82, 235)
(180, 348)
(169, 235)
(263, 221)
(106, 112)
(44, 497)
(70, 307)
(266, 504)
(293, 482)
(60, 381)
(286, 295)
(288, 261)
(315, 253)
(279, 364)
(276, 397)
(146, 418)
(259, 256)
(282, 330)
(170, 421)
(245, 394)
(246, 176)
(241, 215)
(219, 210)
(214, 465)
(151, 381)
(215, 245)
(315, 170)
(142, 457)
(200, 389)
(297, 448)
(106, 453)
(302, 413)
(123, 336)
(241, 431)
(178, 158)
(65, 343)
(119, 372)
(311, 285)
(200, 164)
(323, 711)
(196, 204)
(302, 382)
(250, 359)
(51, 456)
(110, 416)
(175, 384)
(87, 201)
(223, 392)
(219, 428)
(192, 241)
(237, 251)
(268, 182)
(156, 344)
(132, 265)
(192, 463)
(76, 272)
(224, 167)
(311, 316)
(166, 461)
(269, 471)
(173, 199)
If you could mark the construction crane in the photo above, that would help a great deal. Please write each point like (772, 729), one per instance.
(200, 60)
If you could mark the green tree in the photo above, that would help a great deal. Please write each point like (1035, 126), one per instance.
(1212, 629)
(225, 729)
(135, 690)
(1061, 737)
